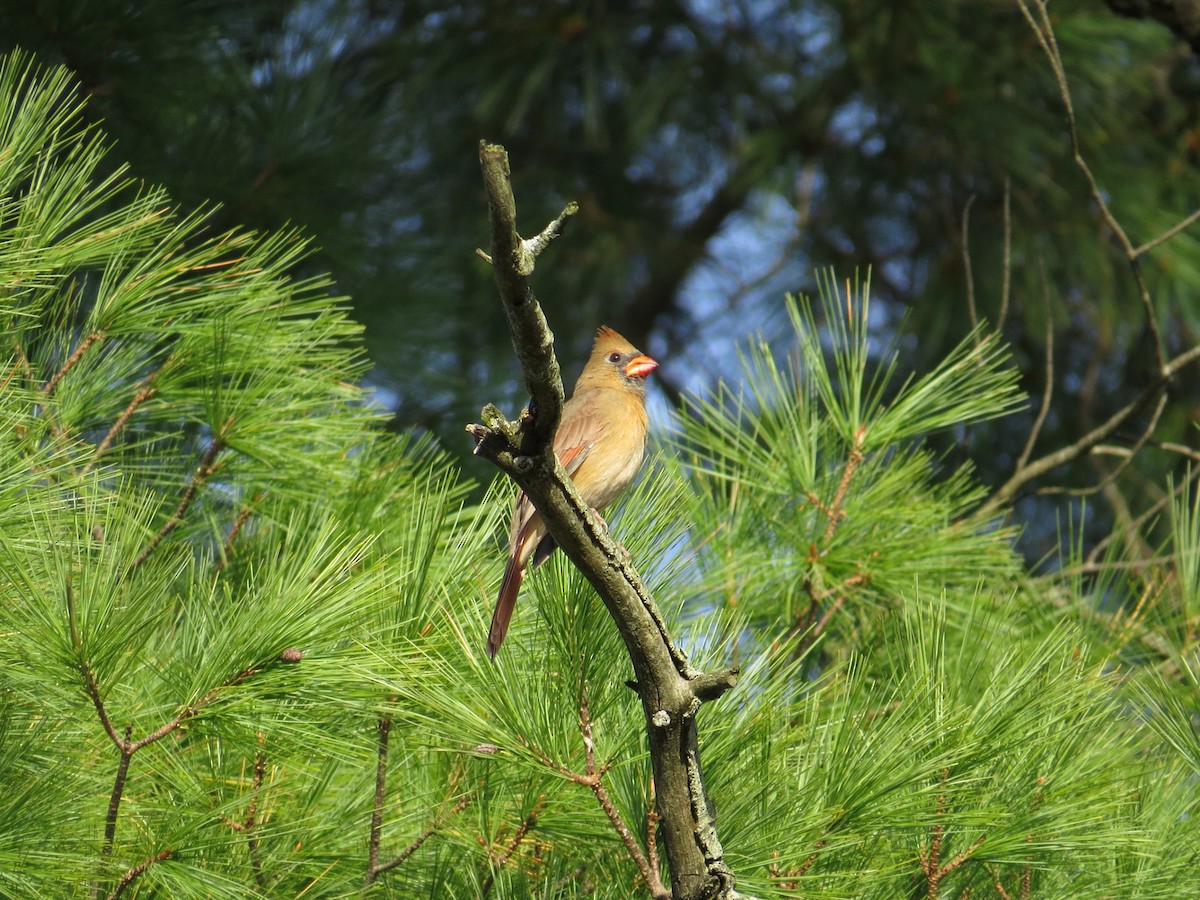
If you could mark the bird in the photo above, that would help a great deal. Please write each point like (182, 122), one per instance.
(600, 442)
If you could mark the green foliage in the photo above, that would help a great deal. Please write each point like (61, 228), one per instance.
(815, 484)
(241, 626)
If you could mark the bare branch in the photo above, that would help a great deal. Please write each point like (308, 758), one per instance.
(593, 778)
(145, 391)
(536, 245)
(1126, 461)
(501, 859)
(243, 514)
(1141, 520)
(663, 676)
(512, 264)
(89, 676)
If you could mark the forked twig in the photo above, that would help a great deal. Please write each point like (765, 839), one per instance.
(592, 777)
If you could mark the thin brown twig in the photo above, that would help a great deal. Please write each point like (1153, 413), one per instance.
(501, 859)
(811, 858)
(1044, 33)
(1168, 234)
(1125, 463)
(593, 778)
(49, 386)
(1048, 389)
(834, 512)
(1142, 519)
(1083, 445)
(12, 372)
(127, 746)
(1092, 568)
(789, 879)
(1006, 283)
(374, 867)
(145, 391)
(114, 799)
(260, 768)
(1172, 447)
(970, 276)
(243, 514)
(420, 839)
(384, 727)
(85, 670)
(931, 864)
(201, 474)
(133, 874)
(853, 460)
(997, 885)
(191, 712)
(841, 592)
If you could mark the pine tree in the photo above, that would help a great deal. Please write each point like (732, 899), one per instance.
(241, 625)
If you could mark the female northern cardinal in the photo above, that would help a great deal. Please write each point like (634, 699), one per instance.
(600, 441)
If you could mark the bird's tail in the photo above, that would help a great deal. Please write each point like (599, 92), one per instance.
(509, 588)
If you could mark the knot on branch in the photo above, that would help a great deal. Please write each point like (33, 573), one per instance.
(709, 686)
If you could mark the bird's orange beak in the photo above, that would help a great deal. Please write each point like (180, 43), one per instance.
(640, 367)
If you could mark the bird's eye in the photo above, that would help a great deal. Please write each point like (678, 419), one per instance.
(614, 357)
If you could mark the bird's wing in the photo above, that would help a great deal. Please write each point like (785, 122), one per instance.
(576, 435)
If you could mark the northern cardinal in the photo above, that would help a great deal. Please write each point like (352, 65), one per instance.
(600, 441)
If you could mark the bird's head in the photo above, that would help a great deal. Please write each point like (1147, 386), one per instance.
(616, 361)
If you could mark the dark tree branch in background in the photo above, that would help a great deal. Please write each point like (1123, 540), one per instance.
(1085, 444)
(1044, 32)
(1006, 283)
(1026, 471)
(670, 690)
(965, 239)
(1048, 388)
